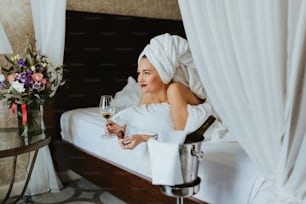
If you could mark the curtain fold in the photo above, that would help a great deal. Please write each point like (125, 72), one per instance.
(250, 56)
(5, 46)
(49, 27)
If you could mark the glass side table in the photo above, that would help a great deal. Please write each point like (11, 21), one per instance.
(12, 145)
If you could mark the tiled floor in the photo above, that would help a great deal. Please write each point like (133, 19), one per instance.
(79, 191)
(76, 190)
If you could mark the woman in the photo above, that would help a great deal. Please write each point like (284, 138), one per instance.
(157, 85)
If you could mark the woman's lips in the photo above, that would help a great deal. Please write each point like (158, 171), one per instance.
(143, 85)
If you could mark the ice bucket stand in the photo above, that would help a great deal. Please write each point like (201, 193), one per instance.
(181, 191)
(190, 154)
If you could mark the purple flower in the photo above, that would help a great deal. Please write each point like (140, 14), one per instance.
(21, 77)
(21, 63)
(28, 83)
(1, 85)
(18, 76)
(25, 78)
(40, 69)
(38, 86)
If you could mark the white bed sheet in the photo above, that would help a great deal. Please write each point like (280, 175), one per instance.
(227, 174)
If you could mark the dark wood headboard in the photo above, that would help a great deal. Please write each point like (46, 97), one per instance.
(101, 51)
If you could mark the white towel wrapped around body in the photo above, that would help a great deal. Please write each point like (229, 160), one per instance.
(171, 56)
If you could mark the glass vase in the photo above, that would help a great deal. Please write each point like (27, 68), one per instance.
(34, 125)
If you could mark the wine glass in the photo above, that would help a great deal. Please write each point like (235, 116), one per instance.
(106, 110)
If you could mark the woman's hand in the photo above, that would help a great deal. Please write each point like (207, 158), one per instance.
(132, 141)
(113, 128)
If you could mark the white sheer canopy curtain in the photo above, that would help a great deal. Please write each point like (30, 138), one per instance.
(49, 27)
(250, 55)
(5, 46)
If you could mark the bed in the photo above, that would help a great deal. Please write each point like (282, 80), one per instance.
(101, 58)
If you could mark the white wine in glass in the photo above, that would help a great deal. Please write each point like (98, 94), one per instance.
(106, 110)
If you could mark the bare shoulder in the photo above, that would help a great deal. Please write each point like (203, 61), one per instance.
(178, 90)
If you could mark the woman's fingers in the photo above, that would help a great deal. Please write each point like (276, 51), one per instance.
(127, 142)
(130, 142)
(127, 145)
(111, 127)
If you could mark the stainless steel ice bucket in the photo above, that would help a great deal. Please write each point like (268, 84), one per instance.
(190, 155)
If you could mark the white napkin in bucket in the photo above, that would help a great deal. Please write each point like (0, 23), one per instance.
(165, 158)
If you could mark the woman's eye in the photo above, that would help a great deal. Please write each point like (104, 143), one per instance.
(147, 73)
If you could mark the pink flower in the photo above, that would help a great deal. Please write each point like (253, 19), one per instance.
(44, 81)
(11, 77)
(37, 76)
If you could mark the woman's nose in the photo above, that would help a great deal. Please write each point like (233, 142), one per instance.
(140, 78)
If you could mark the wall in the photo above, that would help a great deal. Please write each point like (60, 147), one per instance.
(167, 9)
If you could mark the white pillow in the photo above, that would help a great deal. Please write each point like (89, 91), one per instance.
(198, 114)
(128, 96)
(145, 118)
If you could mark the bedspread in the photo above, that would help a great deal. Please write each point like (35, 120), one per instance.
(227, 174)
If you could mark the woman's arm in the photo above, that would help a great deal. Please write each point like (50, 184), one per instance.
(129, 142)
(132, 141)
(178, 98)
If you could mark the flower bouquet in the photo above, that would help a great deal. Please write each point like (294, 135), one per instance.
(25, 85)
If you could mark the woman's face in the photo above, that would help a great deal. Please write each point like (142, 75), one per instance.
(148, 77)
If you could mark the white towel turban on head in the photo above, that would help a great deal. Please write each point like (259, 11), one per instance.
(172, 58)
